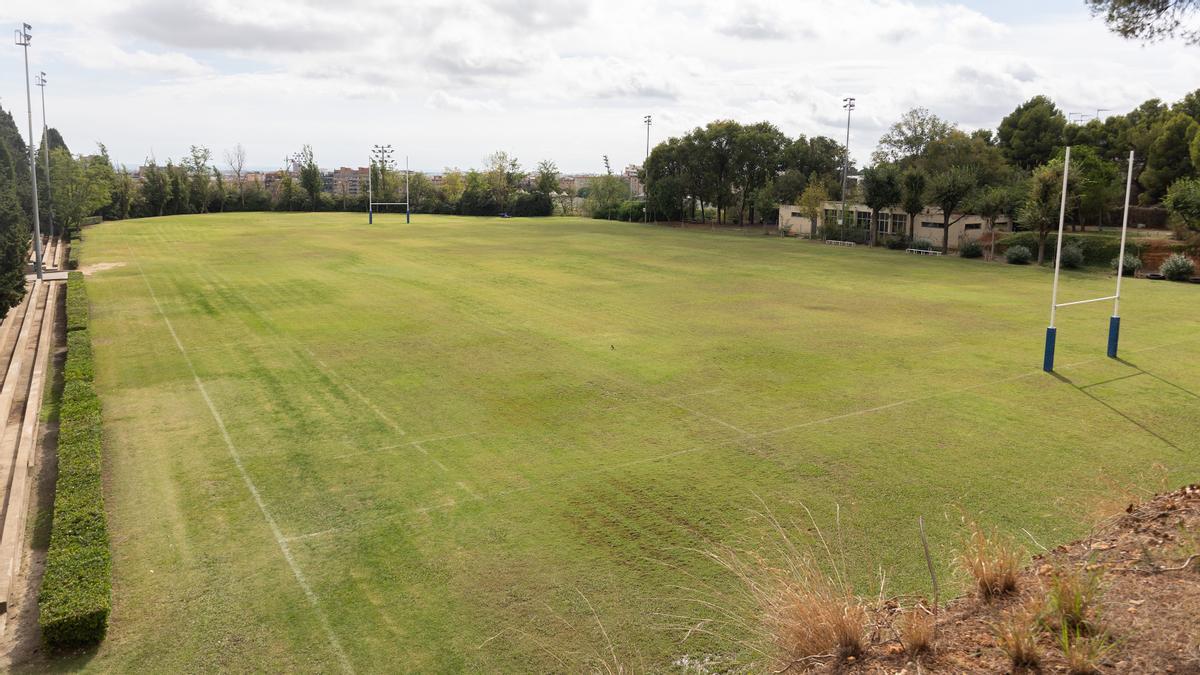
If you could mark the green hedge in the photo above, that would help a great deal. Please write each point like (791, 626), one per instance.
(73, 257)
(77, 302)
(76, 594)
(1097, 250)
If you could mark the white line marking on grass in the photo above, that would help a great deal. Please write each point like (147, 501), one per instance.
(280, 540)
(370, 404)
(310, 535)
(431, 458)
(468, 490)
(824, 420)
(694, 393)
(406, 444)
(706, 416)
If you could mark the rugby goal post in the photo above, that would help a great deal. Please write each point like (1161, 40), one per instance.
(371, 203)
(1114, 321)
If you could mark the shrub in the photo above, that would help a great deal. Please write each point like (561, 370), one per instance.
(1018, 255)
(923, 245)
(79, 364)
(73, 258)
(531, 204)
(1132, 265)
(1083, 653)
(1097, 249)
(992, 560)
(970, 249)
(76, 593)
(77, 302)
(1071, 256)
(896, 242)
(1178, 267)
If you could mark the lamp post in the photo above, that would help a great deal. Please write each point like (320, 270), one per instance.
(848, 104)
(41, 82)
(23, 38)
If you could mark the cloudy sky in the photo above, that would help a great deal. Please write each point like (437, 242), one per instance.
(449, 81)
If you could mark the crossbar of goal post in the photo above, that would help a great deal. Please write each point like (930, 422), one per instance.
(1114, 322)
(371, 203)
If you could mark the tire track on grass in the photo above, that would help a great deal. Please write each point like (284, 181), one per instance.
(280, 540)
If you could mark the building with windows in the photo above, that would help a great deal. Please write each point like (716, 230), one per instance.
(346, 180)
(926, 225)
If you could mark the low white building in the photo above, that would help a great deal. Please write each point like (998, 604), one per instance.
(925, 225)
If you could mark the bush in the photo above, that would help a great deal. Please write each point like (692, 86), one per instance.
(1018, 255)
(77, 302)
(531, 204)
(923, 245)
(1097, 249)
(896, 242)
(76, 593)
(1132, 264)
(970, 249)
(73, 258)
(1178, 267)
(1071, 256)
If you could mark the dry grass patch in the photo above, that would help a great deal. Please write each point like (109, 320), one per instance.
(1017, 634)
(993, 561)
(1073, 600)
(918, 629)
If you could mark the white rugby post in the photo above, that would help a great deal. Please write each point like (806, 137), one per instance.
(1114, 322)
(381, 155)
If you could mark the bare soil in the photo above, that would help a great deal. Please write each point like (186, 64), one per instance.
(1148, 561)
(89, 270)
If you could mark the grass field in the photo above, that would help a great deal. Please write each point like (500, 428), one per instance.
(471, 444)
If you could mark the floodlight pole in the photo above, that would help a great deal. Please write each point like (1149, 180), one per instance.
(1052, 331)
(407, 205)
(370, 192)
(848, 104)
(1114, 322)
(23, 39)
(41, 82)
(646, 202)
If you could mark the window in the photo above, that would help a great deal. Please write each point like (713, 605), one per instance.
(899, 221)
(831, 217)
(797, 214)
(974, 226)
(883, 223)
(862, 219)
(932, 226)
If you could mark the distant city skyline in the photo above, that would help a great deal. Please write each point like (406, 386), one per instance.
(447, 83)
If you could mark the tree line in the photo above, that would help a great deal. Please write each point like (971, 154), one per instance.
(1010, 173)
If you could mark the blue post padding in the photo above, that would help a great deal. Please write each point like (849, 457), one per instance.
(1114, 335)
(407, 215)
(370, 217)
(1048, 360)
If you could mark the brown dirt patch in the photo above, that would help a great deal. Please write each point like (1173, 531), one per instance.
(89, 270)
(1148, 562)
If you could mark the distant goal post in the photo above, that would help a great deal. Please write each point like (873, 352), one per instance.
(381, 159)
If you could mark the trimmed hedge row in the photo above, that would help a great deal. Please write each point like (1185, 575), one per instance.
(77, 302)
(1096, 250)
(76, 594)
(73, 257)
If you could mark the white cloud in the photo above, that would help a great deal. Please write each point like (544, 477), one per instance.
(564, 79)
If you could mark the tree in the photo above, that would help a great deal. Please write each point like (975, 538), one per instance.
(949, 189)
(155, 188)
(1183, 201)
(503, 175)
(1168, 158)
(994, 202)
(1041, 206)
(1149, 20)
(606, 194)
(908, 137)
(1031, 134)
(546, 181)
(881, 189)
(1099, 184)
(912, 197)
(14, 244)
(79, 188)
(199, 177)
(453, 184)
(235, 157)
(758, 157)
(812, 200)
(124, 194)
(310, 175)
